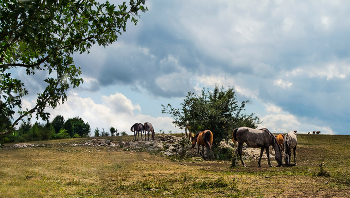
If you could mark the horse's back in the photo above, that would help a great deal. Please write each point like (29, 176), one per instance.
(204, 135)
(253, 137)
(291, 139)
(208, 135)
(148, 126)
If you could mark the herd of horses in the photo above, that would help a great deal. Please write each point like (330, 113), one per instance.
(138, 128)
(256, 138)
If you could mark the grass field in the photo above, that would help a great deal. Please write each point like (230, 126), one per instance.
(61, 170)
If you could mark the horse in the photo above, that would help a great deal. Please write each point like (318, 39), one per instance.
(290, 142)
(149, 128)
(203, 138)
(279, 139)
(137, 128)
(257, 138)
(189, 135)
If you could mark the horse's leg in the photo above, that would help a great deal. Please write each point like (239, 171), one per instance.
(203, 151)
(268, 155)
(261, 153)
(240, 146)
(294, 154)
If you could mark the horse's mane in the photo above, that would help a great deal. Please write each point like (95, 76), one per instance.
(196, 136)
(273, 138)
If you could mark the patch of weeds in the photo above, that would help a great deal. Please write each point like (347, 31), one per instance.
(224, 153)
(322, 171)
(220, 182)
(234, 160)
(72, 182)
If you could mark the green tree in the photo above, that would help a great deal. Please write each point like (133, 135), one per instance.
(113, 130)
(104, 133)
(58, 123)
(77, 126)
(217, 110)
(97, 132)
(42, 35)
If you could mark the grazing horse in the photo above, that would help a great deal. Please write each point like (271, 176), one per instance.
(257, 138)
(137, 128)
(290, 142)
(149, 128)
(203, 138)
(279, 139)
(189, 135)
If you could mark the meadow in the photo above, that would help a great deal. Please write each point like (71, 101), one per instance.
(57, 168)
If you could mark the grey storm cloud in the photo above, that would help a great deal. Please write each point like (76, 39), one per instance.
(255, 43)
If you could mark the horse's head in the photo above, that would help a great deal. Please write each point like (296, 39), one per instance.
(194, 140)
(278, 158)
(278, 152)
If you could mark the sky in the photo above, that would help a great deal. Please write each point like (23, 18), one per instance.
(290, 59)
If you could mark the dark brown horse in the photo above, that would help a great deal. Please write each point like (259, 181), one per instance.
(256, 138)
(204, 139)
(149, 128)
(137, 128)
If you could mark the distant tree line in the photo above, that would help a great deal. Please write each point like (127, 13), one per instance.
(57, 129)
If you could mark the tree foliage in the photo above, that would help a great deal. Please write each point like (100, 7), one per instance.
(218, 111)
(58, 123)
(77, 126)
(42, 35)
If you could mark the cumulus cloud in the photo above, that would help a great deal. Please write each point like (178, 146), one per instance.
(279, 121)
(116, 110)
(283, 84)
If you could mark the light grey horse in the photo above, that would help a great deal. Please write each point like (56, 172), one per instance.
(256, 138)
(290, 142)
(149, 128)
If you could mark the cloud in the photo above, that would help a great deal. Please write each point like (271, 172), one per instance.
(279, 121)
(283, 84)
(116, 110)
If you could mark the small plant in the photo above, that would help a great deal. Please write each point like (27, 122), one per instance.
(124, 133)
(76, 135)
(323, 172)
(234, 160)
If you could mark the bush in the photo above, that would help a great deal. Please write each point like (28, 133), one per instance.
(76, 135)
(62, 134)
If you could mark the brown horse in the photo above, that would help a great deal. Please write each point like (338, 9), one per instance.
(137, 128)
(256, 138)
(203, 138)
(279, 139)
(149, 128)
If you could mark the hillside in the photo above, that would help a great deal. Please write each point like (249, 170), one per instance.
(67, 168)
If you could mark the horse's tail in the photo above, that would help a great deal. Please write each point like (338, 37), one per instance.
(234, 134)
(208, 138)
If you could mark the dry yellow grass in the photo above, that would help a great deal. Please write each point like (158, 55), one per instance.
(81, 171)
